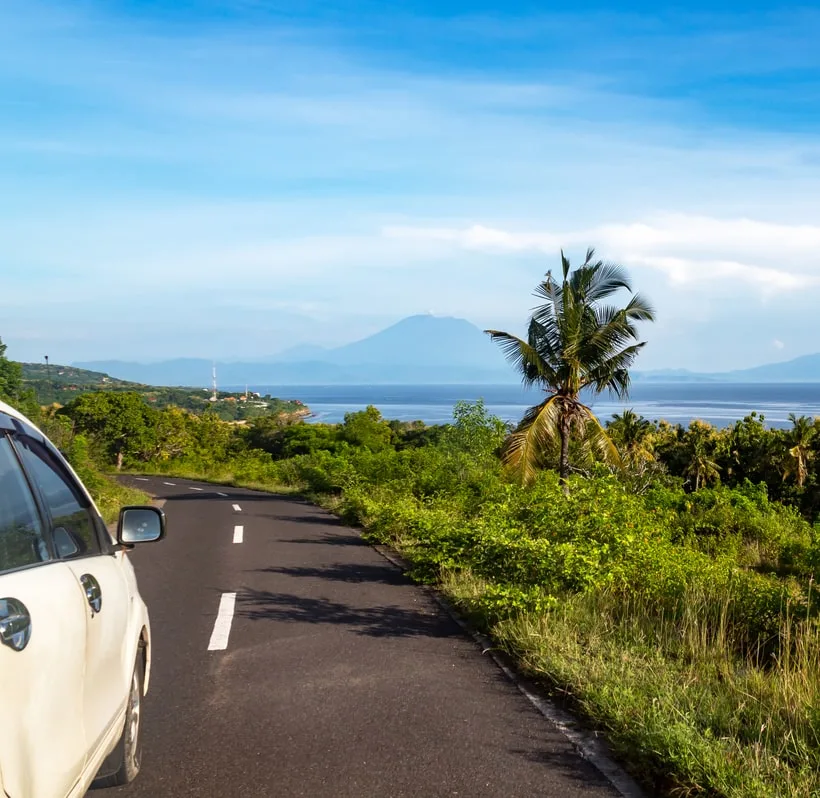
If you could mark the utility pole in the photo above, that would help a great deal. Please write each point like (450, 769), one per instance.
(48, 379)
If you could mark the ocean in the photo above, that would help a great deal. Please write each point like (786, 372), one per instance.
(720, 404)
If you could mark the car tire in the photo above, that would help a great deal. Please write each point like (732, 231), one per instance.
(123, 764)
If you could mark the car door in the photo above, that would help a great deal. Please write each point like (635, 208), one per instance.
(42, 647)
(83, 544)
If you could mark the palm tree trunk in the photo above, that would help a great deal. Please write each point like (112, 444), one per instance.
(563, 463)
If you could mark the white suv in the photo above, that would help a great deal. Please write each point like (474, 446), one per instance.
(75, 642)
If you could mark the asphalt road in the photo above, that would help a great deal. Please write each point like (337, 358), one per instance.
(338, 677)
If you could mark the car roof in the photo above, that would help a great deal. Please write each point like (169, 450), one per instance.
(4, 408)
(16, 414)
(38, 433)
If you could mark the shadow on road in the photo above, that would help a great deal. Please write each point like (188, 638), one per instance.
(344, 572)
(314, 518)
(565, 761)
(210, 494)
(384, 621)
(332, 539)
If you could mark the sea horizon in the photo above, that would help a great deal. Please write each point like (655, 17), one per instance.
(720, 404)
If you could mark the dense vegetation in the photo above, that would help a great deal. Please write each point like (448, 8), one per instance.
(681, 621)
(660, 579)
(62, 384)
(108, 494)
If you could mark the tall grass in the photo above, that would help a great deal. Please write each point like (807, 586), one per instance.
(230, 472)
(677, 703)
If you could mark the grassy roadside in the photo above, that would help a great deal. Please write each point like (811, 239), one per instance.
(681, 707)
(109, 495)
(681, 715)
(685, 708)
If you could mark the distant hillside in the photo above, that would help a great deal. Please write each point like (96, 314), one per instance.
(69, 375)
(61, 384)
(418, 349)
(296, 354)
(674, 375)
(423, 341)
(801, 369)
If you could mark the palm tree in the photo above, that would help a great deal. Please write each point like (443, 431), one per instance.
(702, 467)
(701, 444)
(574, 342)
(632, 434)
(801, 437)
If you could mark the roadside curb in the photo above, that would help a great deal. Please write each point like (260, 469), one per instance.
(589, 746)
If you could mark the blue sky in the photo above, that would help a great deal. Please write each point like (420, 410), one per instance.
(228, 178)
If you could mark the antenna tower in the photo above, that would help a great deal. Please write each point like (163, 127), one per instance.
(213, 398)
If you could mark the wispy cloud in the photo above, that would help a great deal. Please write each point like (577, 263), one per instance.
(687, 249)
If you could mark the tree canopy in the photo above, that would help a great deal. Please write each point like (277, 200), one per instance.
(575, 342)
(11, 376)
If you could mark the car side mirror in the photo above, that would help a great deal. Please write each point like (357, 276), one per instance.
(140, 524)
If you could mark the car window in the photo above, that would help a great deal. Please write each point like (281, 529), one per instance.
(73, 530)
(21, 533)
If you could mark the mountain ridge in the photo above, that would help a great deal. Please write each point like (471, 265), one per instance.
(420, 349)
(416, 349)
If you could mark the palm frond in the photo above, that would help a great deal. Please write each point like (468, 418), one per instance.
(547, 341)
(536, 433)
(553, 306)
(597, 440)
(595, 282)
(639, 309)
(613, 373)
(524, 357)
(565, 266)
(608, 330)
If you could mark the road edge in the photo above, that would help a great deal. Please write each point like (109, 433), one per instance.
(589, 746)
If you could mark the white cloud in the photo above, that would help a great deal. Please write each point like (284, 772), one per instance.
(778, 344)
(687, 249)
(476, 237)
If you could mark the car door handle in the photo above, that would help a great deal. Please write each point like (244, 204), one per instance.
(93, 593)
(15, 624)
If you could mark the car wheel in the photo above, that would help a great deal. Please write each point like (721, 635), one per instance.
(123, 763)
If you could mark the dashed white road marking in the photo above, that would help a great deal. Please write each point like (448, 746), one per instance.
(169, 483)
(237, 508)
(141, 479)
(238, 534)
(223, 495)
(190, 488)
(222, 625)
